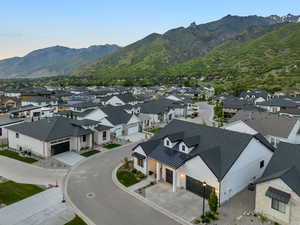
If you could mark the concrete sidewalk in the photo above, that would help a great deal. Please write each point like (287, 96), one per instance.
(44, 208)
(30, 174)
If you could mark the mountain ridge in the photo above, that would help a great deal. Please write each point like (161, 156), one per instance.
(52, 61)
(161, 51)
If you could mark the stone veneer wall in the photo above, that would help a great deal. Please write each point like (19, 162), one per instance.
(263, 203)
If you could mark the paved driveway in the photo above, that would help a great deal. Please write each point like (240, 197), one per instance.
(92, 191)
(44, 208)
(27, 173)
(69, 158)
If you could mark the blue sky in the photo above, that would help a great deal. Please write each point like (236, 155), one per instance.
(26, 25)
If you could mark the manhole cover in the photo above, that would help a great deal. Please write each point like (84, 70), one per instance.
(90, 195)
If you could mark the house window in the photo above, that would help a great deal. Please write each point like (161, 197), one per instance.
(140, 162)
(104, 135)
(17, 135)
(278, 206)
(84, 138)
(262, 164)
(0, 131)
(167, 143)
(183, 148)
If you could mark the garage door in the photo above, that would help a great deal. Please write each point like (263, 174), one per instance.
(197, 188)
(169, 176)
(132, 130)
(60, 148)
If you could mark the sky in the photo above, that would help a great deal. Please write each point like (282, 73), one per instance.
(27, 25)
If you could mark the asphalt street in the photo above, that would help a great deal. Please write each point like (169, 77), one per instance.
(92, 191)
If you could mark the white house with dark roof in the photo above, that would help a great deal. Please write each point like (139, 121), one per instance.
(278, 190)
(5, 122)
(121, 122)
(48, 137)
(121, 99)
(188, 155)
(274, 127)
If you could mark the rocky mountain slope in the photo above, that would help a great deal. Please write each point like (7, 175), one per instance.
(52, 61)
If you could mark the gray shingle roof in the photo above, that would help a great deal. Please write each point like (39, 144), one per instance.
(267, 123)
(285, 165)
(6, 120)
(159, 106)
(116, 115)
(279, 102)
(127, 98)
(218, 148)
(101, 127)
(50, 129)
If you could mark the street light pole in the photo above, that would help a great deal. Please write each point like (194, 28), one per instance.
(204, 185)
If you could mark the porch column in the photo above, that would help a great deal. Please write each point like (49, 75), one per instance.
(174, 180)
(157, 171)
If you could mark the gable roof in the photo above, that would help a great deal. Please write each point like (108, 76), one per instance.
(4, 120)
(127, 98)
(116, 115)
(217, 147)
(284, 165)
(159, 106)
(280, 102)
(50, 129)
(267, 123)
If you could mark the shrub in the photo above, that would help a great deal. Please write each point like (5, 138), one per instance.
(205, 219)
(126, 163)
(213, 202)
(140, 175)
(134, 171)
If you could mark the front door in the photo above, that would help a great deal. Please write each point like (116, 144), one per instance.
(169, 176)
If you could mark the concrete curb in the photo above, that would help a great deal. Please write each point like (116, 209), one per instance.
(146, 201)
(66, 181)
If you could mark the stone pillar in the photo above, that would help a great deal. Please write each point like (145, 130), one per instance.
(174, 180)
(157, 171)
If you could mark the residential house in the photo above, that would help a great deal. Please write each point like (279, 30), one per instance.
(31, 112)
(189, 155)
(277, 104)
(122, 99)
(278, 190)
(162, 110)
(5, 122)
(48, 137)
(274, 127)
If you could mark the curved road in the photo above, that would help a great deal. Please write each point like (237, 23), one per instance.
(109, 205)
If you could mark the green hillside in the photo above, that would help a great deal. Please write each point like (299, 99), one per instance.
(156, 52)
(273, 58)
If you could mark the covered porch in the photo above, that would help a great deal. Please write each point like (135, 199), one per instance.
(175, 178)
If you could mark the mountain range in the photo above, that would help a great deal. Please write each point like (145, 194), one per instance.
(52, 61)
(231, 46)
(158, 54)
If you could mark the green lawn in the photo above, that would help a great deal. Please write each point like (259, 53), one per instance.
(76, 221)
(11, 192)
(127, 178)
(15, 155)
(110, 146)
(89, 153)
(155, 130)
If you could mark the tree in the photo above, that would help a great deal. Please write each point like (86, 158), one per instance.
(213, 202)
(218, 111)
